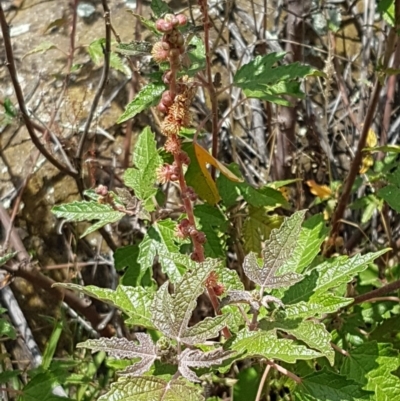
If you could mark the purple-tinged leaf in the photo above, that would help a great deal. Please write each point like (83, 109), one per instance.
(195, 358)
(240, 297)
(124, 349)
(278, 249)
(171, 313)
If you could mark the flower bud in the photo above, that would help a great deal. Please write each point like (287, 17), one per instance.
(172, 19)
(163, 26)
(182, 19)
(160, 51)
(167, 98)
(162, 108)
(101, 190)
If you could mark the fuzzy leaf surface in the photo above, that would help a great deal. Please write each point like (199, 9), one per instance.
(262, 78)
(267, 345)
(240, 297)
(213, 223)
(330, 386)
(159, 8)
(161, 240)
(171, 313)
(312, 235)
(371, 365)
(122, 348)
(195, 358)
(151, 388)
(86, 211)
(149, 96)
(146, 159)
(317, 306)
(313, 334)
(340, 270)
(277, 250)
(134, 301)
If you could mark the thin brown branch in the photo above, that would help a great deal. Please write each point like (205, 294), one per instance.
(102, 83)
(379, 292)
(37, 279)
(354, 169)
(10, 63)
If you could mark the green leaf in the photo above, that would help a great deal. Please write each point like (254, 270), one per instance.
(9, 375)
(261, 78)
(341, 270)
(312, 235)
(257, 227)
(161, 240)
(317, 306)
(171, 313)
(371, 365)
(265, 344)
(391, 194)
(386, 8)
(149, 96)
(384, 148)
(228, 189)
(41, 386)
(313, 334)
(368, 205)
(81, 211)
(197, 56)
(51, 345)
(330, 386)
(151, 388)
(96, 52)
(147, 23)
(122, 348)
(9, 109)
(146, 159)
(7, 330)
(277, 250)
(265, 196)
(245, 388)
(214, 224)
(134, 301)
(127, 256)
(118, 64)
(159, 8)
(5, 258)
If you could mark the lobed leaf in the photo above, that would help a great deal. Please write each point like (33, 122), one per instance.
(142, 177)
(263, 79)
(311, 333)
(371, 364)
(277, 250)
(151, 388)
(134, 301)
(122, 348)
(171, 313)
(342, 269)
(312, 235)
(266, 344)
(86, 211)
(149, 96)
(330, 386)
(195, 358)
